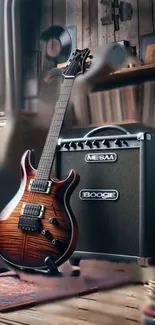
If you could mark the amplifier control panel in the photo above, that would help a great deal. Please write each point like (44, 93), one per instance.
(108, 142)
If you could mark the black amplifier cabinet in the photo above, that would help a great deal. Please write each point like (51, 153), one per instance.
(114, 203)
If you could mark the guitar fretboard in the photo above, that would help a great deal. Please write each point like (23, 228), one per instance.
(47, 157)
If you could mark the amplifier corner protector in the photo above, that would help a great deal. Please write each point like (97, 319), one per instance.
(141, 136)
(59, 142)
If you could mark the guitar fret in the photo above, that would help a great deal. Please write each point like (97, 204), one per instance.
(47, 157)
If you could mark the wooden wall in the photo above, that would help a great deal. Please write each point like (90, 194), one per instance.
(31, 132)
(86, 15)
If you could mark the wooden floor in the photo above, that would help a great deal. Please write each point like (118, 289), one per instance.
(121, 306)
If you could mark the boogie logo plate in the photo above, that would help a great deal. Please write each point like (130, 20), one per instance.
(97, 194)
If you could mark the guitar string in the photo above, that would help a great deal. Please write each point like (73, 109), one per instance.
(33, 195)
(40, 173)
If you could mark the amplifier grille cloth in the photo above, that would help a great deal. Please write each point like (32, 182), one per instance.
(106, 226)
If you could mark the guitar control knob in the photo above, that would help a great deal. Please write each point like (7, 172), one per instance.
(73, 145)
(80, 144)
(106, 143)
(67, 146)
(88, 143)
(55, 242)
(46, 234)
(118, 142)
(96, 143)
(53, 221)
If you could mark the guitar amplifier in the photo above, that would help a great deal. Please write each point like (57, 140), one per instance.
(114, 203)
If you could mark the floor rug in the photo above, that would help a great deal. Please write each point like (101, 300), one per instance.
(27, 291)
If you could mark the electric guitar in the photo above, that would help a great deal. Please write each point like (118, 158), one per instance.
(38, 222)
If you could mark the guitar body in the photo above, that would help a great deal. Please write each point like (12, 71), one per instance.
(37, 228)
(26, 242)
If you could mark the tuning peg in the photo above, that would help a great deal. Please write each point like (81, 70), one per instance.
(87, 65)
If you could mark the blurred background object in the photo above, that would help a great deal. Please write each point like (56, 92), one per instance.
(116, 11)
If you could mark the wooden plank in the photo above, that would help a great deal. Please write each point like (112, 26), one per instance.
(85, 24)
(145, 17)
(74, 17)
(24, 317)
(70, 12)
(105, 33)
(71, 20)
(93, 10)
(46, 22)
(110, 34)
(124, 308)
(59, 12)
(129, 29)
(79, 23)
(101, 29)
(47, 14)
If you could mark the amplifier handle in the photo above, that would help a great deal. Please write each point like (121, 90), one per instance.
(106, 127)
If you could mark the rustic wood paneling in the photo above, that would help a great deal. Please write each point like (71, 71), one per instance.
(129, 29)
(105, 33)
(93, 12)
(145, 17)
(85, 24)
(59, 12)
(70, 12)
(47, 14)
(101, 29)
(79, 23)
(74, 17)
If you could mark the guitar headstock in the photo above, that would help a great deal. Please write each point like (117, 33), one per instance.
(77, 63)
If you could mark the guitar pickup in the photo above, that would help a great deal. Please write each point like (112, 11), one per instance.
(33, 210)
(40, 186)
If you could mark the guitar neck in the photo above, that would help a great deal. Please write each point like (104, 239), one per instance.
(47, 157)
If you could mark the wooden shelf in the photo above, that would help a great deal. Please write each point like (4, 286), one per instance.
(126, 77)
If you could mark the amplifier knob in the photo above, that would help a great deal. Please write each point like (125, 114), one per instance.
(106, 143)
(73, 145)
(96, 143)
(125, 143)
(118, 142)
(88, 143)
(67, 145)
(80, 144)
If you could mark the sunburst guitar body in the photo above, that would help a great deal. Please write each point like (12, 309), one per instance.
(38, 222)
(26, 241)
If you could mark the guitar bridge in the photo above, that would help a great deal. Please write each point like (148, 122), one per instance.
(29, 224)
(40, 186)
